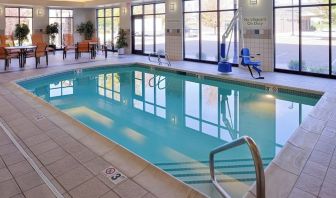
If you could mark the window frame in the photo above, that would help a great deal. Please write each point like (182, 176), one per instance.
(330, 6)
(218, 11)
(61, 18)
(142, 16)
(19, 17)
(112, 17)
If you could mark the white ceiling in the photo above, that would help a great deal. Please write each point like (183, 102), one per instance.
(62, 3)
(71, 3)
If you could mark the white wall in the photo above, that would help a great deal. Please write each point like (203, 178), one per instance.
(40, 19)
(83, 15)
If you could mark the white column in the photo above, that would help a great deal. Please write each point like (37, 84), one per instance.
(2, 19)
(174, 29)
(258, 30)
(126, 22)
(40, 20)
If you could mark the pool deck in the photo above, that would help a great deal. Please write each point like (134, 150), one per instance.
(73, 157)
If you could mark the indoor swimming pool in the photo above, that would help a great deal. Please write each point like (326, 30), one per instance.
(174, 119)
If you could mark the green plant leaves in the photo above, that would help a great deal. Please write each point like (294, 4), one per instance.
(21, 32)
(87, 29)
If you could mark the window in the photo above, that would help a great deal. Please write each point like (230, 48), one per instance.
(304, 38)
(64, 18)
(287, 38)
(18, 16)
(149, 26)
(108, 22)
(204, 23)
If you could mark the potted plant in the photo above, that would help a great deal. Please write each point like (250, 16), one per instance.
(121, 41)
(52, 30)
(87, 29)
(21, 32)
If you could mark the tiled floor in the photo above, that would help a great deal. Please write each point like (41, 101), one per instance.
(73, 157)
(74, 166)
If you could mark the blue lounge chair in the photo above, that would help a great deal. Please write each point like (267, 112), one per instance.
(246, 61)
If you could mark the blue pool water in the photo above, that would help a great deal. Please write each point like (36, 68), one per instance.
(174, 120)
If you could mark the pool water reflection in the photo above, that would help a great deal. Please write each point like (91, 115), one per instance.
(174, 120)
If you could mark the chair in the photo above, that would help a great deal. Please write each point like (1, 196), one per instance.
(37, 53)
(247, 62)
(68, 44)
(7, 40)
(106, 47)
(97, 47)
(7, 56)
(37, 38)
(84, 47)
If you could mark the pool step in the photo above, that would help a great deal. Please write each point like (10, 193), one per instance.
(244, 176)
(204, 165)
(197, 172)
(207, 162)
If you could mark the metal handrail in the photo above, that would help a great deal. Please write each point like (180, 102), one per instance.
(158, 55)
(150, 56)
(165, 55)
(260, 177)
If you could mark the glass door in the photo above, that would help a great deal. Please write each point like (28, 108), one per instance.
(137, 35)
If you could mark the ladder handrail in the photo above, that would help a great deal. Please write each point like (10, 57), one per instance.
(260, 177)
(165, 55)
(158, 55)
(150, 56)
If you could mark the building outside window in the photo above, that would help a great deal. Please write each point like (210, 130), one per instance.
(108, 24)
(149, 22)
(305, 36)
(15, 16)
(204, 24)
(64, 17)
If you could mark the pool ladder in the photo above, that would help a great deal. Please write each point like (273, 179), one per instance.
(159, 57)
(260, 177)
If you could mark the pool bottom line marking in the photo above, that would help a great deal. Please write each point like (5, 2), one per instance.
(30, 160)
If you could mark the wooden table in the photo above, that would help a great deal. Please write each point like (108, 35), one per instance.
(22, 50)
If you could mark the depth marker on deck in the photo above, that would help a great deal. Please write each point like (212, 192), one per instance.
(114, 175)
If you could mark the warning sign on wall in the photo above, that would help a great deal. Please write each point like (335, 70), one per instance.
(256, 22)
